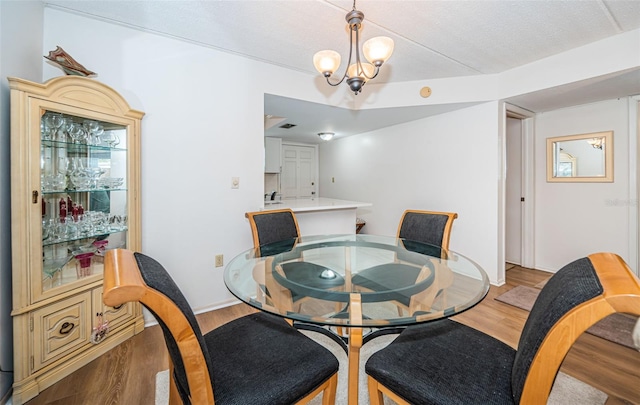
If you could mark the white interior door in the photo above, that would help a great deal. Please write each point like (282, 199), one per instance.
(307, 172)
(513, 192)
(298, 171)
(289, 176)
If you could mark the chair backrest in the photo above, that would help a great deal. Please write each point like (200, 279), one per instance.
(574, 299)
(273, 226)
(427, 227)
(130, 276)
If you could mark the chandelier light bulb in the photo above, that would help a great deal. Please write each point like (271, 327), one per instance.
(368, 69)
(377, 50)
(326, 61)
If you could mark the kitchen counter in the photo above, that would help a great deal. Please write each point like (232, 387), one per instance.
(321, 216)
(315, 204)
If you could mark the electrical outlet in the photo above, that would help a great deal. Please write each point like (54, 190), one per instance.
(219, 260)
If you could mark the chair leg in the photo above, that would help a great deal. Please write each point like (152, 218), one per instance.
(375, 395)
(329, 393)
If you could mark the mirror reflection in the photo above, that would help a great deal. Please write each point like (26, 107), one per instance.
(580, 158)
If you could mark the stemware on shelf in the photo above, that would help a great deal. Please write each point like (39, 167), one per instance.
(84, 264)
(110, 138)
(77, 133)
(53, 122)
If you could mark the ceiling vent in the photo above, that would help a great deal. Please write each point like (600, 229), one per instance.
(287, 126)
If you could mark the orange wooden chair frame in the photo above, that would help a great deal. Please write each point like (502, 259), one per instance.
(123, 283)
(621, 293)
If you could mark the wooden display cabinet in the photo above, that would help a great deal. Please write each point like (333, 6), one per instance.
(75, 192)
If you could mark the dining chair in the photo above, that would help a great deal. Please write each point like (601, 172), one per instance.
(430, 227)
(446, 362)
(274, 232)
(426, 232)
(271, 227)
(255, 359)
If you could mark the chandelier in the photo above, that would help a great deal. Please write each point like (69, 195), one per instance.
(376, 50)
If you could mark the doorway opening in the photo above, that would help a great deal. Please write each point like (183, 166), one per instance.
(518, 218)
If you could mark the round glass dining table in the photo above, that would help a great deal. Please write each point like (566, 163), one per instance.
(340, 285)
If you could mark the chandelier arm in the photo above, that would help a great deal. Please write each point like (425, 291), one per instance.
(375, 73)
(359, 63)
(344, 76)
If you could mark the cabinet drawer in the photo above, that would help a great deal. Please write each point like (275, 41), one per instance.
(61, 328)
(115, 316)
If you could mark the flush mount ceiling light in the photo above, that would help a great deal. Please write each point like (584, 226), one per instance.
(326, 136)
(377, 50)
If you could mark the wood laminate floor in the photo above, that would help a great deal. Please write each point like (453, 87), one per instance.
(126, 374)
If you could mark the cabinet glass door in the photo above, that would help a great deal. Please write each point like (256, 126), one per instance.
(83, 182)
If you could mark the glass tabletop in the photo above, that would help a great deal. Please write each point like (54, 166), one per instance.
(391, 281)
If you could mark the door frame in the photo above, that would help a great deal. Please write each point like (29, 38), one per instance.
(634, 183)
(527, 181)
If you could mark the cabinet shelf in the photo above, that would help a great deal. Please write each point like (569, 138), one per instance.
(73, 147)
(50, 242)
(74, 191)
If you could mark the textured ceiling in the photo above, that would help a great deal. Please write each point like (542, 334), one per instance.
(433, 38)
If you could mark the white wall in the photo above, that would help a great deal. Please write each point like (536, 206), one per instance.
(448, 162)
(18, 20)
(204, 125)
(573, 220)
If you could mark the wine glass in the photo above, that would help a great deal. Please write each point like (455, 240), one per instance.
(110, 138)
(94, 130)
(45, 130)
(76, 132)
(61, 131)
(63, 165)
(94, 173)
(53, 122)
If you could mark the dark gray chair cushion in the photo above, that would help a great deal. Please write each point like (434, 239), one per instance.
(156, 277)
(256, 359)
(261, 359)
(572, 285)
(445, 362)
(275, 227)
(425, 228)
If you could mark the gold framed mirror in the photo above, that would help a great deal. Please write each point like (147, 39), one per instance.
(584, 158)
